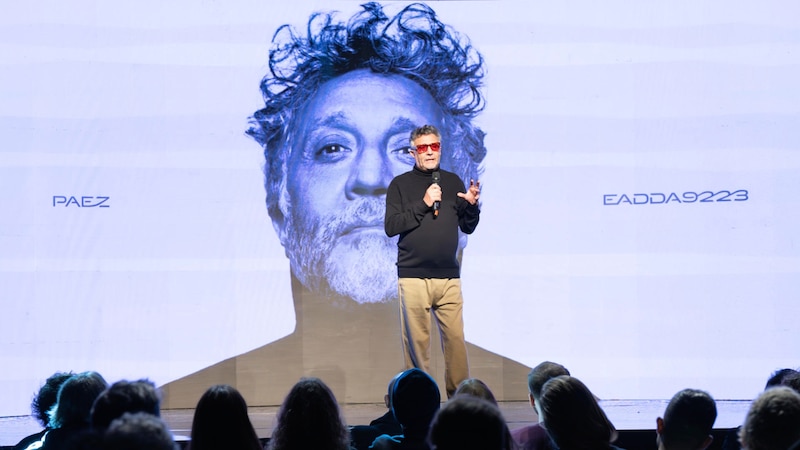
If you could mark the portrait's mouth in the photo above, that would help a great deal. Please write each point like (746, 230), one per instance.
(363, 227)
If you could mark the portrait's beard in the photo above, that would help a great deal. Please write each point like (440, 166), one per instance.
(326, 258)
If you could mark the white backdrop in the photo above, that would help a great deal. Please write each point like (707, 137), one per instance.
(596, 114)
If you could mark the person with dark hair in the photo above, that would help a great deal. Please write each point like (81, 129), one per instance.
(340, 97)
(792, 381)
(773, 421)
(221, 422)
(467, 422)
(426, 207)
(541, 374)
(534, 437)
(573, 418)
(415, 400)
(125, 396)
(362, 436)
(687, 422)
(70, 416)
(138, 431)
(776, 378)
(309, 418)
(42, 402)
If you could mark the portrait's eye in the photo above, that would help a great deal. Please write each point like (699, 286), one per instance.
(402, 151)
(331, 152)
(332, 148)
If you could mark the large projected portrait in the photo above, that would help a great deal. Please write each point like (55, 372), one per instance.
(342, 97)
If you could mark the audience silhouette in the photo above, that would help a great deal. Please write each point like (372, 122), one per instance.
(687, 421)
(476, 388)
(415, 400)
(573, 418)
(773, 421)
(309, 418)
(41, 404)
(469, 422)
(138, 431)
(70, 416)
(362, 436)
(776, 378)
(80, 411)
(221, 422)
(534, 437)
(125, 397)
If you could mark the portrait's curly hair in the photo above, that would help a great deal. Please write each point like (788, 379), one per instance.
(413, 44)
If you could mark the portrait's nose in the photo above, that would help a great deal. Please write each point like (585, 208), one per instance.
(370, 175)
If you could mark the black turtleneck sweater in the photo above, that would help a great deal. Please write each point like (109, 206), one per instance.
(428, 246)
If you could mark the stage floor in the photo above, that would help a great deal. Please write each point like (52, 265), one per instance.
(625, 414)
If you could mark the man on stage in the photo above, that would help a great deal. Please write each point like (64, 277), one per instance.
(426, 207)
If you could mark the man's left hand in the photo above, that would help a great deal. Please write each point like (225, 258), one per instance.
(473, 193)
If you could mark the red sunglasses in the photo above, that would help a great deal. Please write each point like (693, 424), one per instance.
(423, 148)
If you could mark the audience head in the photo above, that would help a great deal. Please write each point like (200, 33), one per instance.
(75, 398)
(540, 375)
(687, 421)
(773, 421)
(572, 416)
(415, 400)
(138, 431)
(125, 396)
(467, 421)
(387, 399)
(777, 377)
(309, 418)
(792, 381)
(47, 396)
(476, 388)
(221, 421)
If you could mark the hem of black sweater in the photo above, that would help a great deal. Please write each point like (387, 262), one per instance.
(427, 272)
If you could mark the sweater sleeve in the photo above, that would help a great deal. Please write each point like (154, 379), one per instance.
(468, 216)
(400, 219)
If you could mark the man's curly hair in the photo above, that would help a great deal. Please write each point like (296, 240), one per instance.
(413, 44)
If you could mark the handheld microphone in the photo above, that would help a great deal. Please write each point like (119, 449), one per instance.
(436, 204)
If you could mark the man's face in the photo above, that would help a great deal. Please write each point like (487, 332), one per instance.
(351, 140)
(424, 155)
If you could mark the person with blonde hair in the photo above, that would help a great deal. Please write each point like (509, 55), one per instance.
(773, 421)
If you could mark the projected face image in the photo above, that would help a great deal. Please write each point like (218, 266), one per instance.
(340, 104)
(352, 140)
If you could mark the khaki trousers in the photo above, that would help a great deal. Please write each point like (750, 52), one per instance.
(418, 297)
